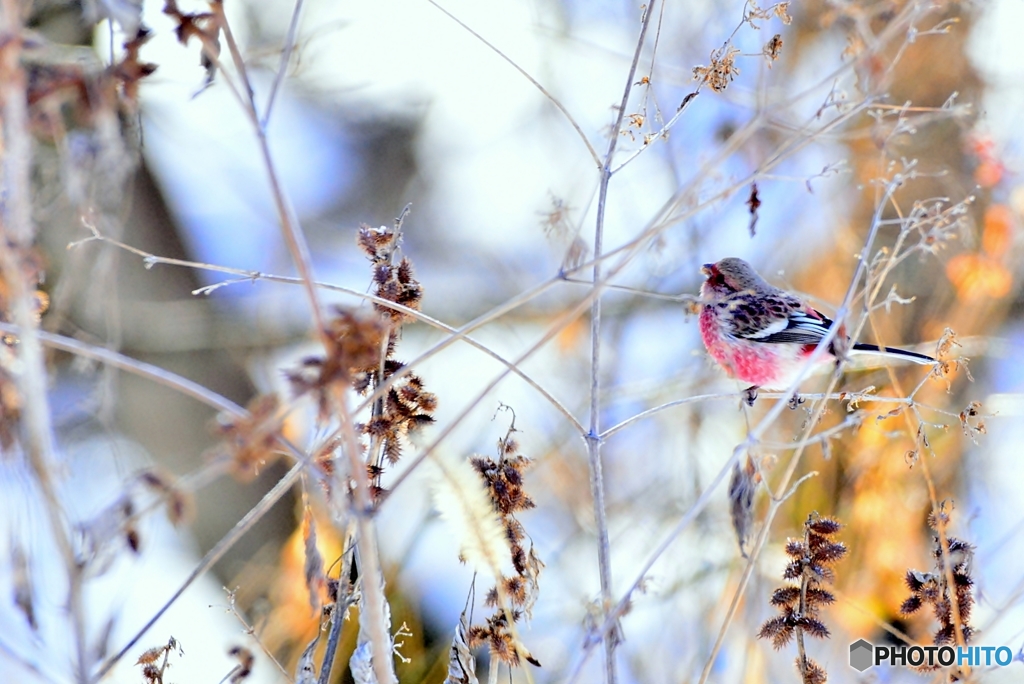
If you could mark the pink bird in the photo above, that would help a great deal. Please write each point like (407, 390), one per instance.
(762, 335)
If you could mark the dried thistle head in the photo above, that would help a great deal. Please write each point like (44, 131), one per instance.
(154, 661)
(951, 604)
(406, 406)
(812, 673)
(800, 603)
(354, 342)
(378, 243)
(250, 443)
(393, 282)
(503, 479)
(501, 641)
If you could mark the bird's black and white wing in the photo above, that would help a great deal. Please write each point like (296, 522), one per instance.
(803, 327)
(774, 318)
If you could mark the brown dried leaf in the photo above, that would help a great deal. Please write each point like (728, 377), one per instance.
(316, 581)
(742, 487)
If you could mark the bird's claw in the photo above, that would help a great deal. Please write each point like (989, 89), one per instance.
(795, 401)
(751, 395)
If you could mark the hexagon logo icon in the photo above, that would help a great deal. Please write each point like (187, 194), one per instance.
(861, 655)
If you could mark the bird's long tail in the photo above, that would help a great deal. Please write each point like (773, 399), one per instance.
(923, 359)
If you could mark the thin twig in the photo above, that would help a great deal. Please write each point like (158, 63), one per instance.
(290, 229)
(251, 632)
(334, 636)
(687, 518)
(657, 409)
(286, 56)
(593, 436)
(660, 133)
(141, 368)
(371, 614)
(853, 421)
(554, 100)
(663, 218)
(645, 293)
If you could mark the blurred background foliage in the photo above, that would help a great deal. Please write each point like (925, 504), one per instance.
(393, 102)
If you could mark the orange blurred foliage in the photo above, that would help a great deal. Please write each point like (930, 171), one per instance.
(978, 276)
(984, 274)
(990, 169)
(997, 235)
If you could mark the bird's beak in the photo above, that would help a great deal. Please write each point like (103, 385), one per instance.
(708, 269)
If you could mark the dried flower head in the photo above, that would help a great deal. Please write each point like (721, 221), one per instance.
(406, 406)
(772, 49)
(952, 608)
(251, 442)
(722, 70)
(501, 641)
(393, 282)
(754, 12)
(503, 478)
(154, 661)
(556, 221)
(970, 421)
(800, 603)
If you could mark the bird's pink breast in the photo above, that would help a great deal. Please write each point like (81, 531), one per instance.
(756, 363)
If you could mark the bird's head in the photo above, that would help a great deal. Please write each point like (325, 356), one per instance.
(731, 275)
